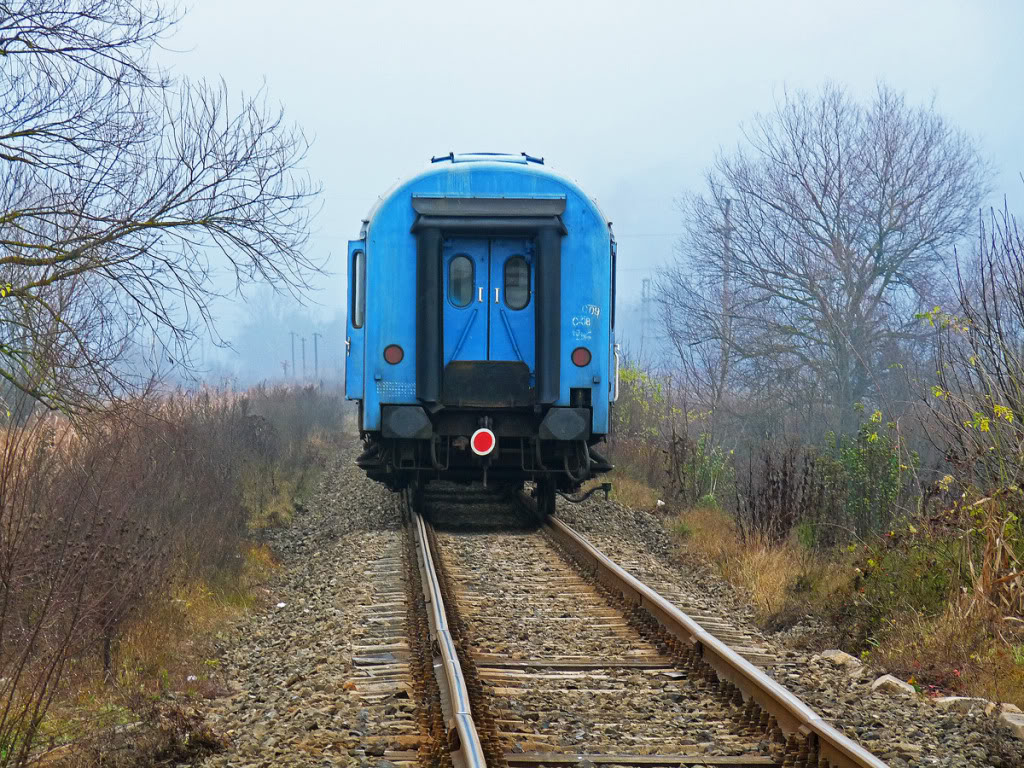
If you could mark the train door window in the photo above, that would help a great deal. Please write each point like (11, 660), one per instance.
(517, 283)
(358, 288)
(460, 280)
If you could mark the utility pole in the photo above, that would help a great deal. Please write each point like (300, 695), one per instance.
(284, 367)
(316, 357)
(645, 312)
(293, 351)
(726, 346)
(303, 358)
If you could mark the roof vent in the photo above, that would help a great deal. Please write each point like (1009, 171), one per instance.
(494, 157)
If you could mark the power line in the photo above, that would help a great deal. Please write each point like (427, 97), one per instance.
(620, 236)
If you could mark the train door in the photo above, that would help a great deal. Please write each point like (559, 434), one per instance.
(511, 302)
(356, 319)
(488, 300)
(465, 264)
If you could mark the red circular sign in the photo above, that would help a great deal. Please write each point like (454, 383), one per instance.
(581, 356)
(482, 442)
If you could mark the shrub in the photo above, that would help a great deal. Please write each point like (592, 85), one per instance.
(785, 485)
(870, 473)
(100, 517)
(638, 445)
(852, 488)
(700, 472)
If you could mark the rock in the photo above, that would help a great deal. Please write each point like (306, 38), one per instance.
(961, 703)
(1007, 707)
(890, 684)
(909, 750)
(1014, 721)
(841, 659)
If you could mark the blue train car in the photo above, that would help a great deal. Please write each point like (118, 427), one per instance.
(481, 317)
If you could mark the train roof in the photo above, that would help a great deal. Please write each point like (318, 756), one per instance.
(454, 163)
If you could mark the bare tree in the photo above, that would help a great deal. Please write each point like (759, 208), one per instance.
(815, 243)
(979, 396)
(128, 200)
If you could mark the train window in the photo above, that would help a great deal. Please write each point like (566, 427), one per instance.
(517, 283)
(460, 281)
(615, 251)
(358, 288)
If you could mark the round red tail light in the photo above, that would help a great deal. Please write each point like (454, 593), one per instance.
(581, 356)
(483, 441)
(393, 354)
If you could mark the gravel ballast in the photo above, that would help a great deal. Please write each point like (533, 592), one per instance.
(520, 600)
(296, 696)
(902, 730)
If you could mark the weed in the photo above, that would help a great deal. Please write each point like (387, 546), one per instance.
(1017, 654)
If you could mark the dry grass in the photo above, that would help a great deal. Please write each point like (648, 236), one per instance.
(140, 517)
(779, 579)
(269, 497)
(956, 652)
(633, 493)
(627, 490)
(270, 494)
(999, 675)
(166, 650)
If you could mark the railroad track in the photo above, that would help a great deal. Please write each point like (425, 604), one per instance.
(547, 653)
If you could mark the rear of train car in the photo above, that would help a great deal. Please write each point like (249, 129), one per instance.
(480, 343)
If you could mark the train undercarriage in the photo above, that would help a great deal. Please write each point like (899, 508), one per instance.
(554, 449)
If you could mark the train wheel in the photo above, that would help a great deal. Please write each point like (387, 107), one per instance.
(414, 494)
(545, 497)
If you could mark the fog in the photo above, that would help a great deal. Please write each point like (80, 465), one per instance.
(631, 100)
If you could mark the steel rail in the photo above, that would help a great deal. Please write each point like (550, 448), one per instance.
(465, 749)
(792, 715)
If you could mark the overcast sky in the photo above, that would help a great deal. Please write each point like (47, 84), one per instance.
(631, 99)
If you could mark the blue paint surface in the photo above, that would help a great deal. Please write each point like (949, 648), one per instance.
(487, 327)
(391, 286)
(354, 346)
(465, 328)
(511, 330)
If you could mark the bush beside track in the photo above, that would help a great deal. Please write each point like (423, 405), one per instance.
(894, 521)
(125, 537)
(911, 585)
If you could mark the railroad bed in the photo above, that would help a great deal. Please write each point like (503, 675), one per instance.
(555, 661)
(320, 673)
